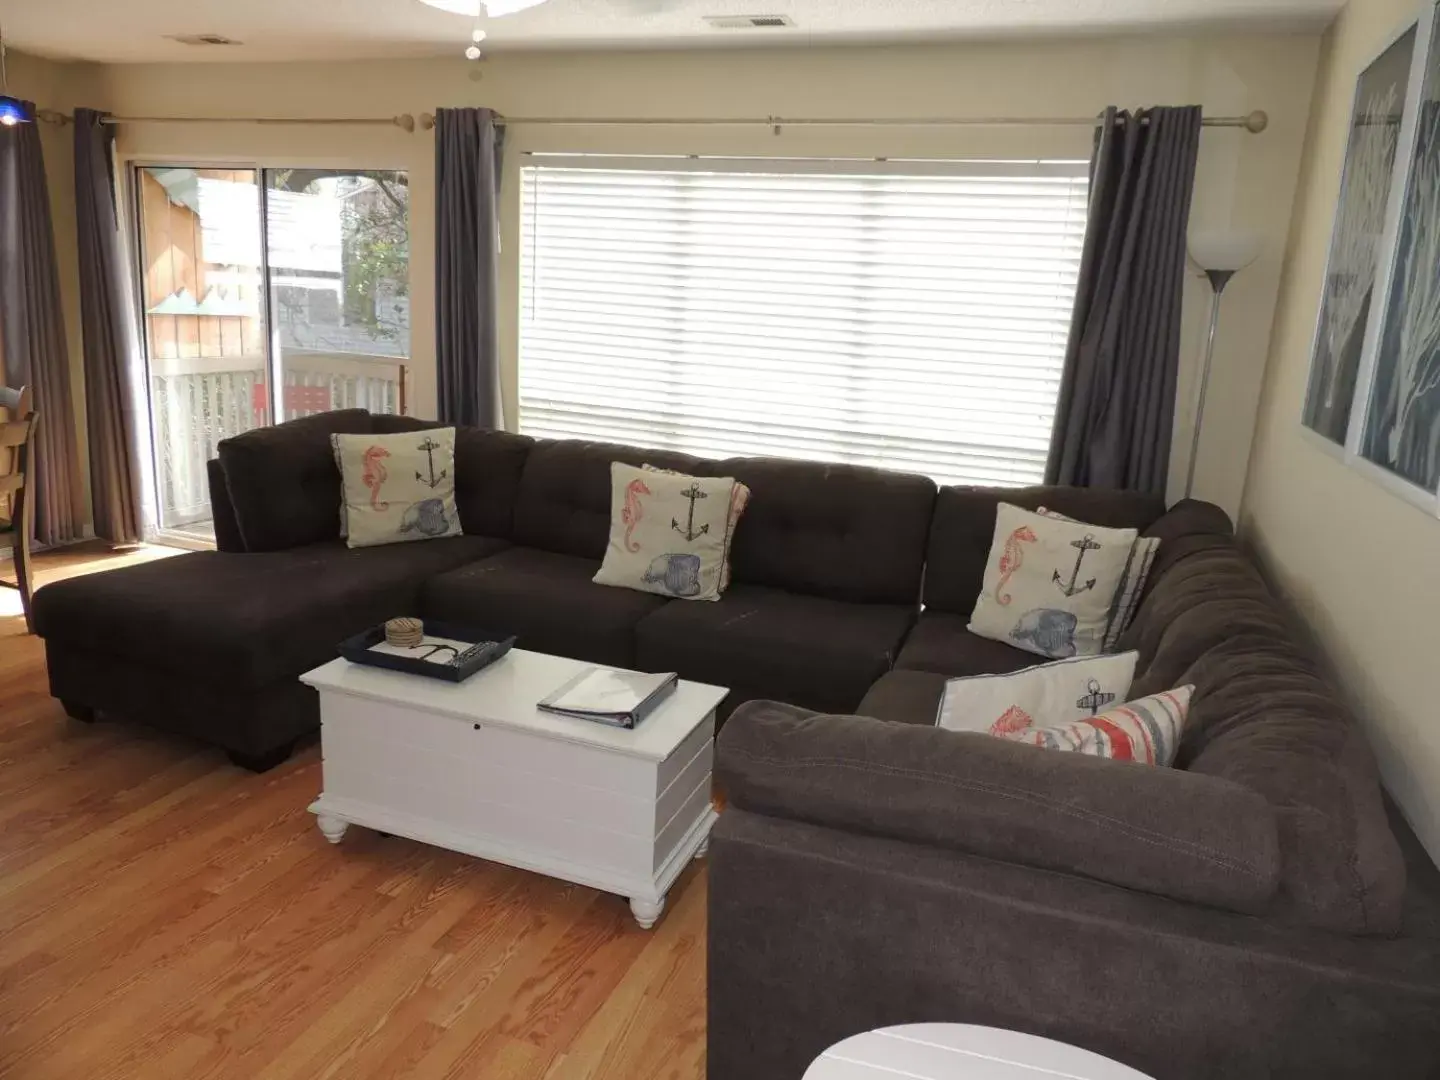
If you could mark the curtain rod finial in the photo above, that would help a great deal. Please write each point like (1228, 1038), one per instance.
(53, 116)
(427, 121)
(1257, 121)
(405, 121)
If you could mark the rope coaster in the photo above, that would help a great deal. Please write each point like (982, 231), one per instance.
(404, 633)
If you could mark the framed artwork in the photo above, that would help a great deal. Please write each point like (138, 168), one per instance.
(1401, 428)
(1352, 270)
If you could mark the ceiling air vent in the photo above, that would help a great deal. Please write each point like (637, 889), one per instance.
(202, 39)
(748, 22)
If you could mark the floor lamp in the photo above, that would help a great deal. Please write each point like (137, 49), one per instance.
(1220, 256)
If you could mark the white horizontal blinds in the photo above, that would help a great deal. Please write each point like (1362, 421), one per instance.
(915, 322)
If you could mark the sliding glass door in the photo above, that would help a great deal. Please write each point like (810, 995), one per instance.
(267, 294)
(338, 253)
(202, 295)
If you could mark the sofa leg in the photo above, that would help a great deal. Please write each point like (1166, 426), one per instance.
(259, 763)
(73, 709)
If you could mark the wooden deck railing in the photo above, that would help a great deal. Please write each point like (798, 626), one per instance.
(197, 401)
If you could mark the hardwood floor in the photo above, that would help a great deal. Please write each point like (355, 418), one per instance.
(164, 914)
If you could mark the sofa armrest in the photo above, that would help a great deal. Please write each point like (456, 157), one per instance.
(1186, 836)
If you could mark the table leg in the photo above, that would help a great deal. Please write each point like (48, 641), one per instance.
(332, 827)
(646, 912)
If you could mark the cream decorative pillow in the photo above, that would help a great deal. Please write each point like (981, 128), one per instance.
(1146, 730)
(1056, 693)
(397, 487)
(1050, 584)
(669, 533)
(739, 499)
(1127, 599)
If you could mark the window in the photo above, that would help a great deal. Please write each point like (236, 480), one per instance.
(907, 316)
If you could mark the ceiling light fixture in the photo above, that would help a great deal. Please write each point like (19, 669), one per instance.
(495, 9)
(12, 110)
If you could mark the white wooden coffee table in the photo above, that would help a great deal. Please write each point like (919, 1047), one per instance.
(961, 1052)
(476, 767)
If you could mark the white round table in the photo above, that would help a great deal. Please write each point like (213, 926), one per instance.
(961, 1052)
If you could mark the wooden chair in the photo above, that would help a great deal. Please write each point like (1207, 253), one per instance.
(16, 433)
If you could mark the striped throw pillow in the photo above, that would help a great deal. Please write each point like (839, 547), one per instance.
(1146, 730)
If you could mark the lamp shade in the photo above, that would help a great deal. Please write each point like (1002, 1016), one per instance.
(1217, 249)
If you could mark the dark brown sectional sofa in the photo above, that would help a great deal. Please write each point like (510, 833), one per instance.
(211, 643)
(1250, 913)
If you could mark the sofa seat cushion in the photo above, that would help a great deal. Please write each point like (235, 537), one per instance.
(905, 697)
(765, 643)
(246, 619)
(941, 643)
(548, 601)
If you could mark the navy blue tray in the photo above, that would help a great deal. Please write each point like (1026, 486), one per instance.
(485, 649)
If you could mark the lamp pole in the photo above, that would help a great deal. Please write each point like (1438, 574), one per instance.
(1218, 280)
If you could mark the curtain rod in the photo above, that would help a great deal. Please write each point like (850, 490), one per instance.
(405, 120)
(1254, 123)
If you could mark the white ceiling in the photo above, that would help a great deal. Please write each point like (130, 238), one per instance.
(135, 30)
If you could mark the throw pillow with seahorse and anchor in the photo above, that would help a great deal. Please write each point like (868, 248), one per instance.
(669, 533)
(397, 487)
(1051, 585)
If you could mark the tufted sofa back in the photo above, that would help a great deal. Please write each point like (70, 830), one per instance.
(964, 528)
(1265, 716)
(839, 531)
(563, 503)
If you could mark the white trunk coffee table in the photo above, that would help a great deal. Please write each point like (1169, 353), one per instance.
(476, 767)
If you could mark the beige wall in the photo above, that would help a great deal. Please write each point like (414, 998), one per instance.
(60, 86)
(1360, 563)
(1244, 180)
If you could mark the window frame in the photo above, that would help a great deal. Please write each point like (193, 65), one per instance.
(129, 218)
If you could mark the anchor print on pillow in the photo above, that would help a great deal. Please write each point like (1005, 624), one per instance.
(669, 533)
(397, 488)
(1062, 577)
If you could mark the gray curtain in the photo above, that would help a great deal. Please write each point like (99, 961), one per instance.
(468, 146)
(1117, 394)
(33, 351)
(104, 315)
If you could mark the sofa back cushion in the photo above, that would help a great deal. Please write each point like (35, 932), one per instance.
(563, 500)
(964, 527)
(1265, 716)
(283, 484)
(488, 466)
(839, 531)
